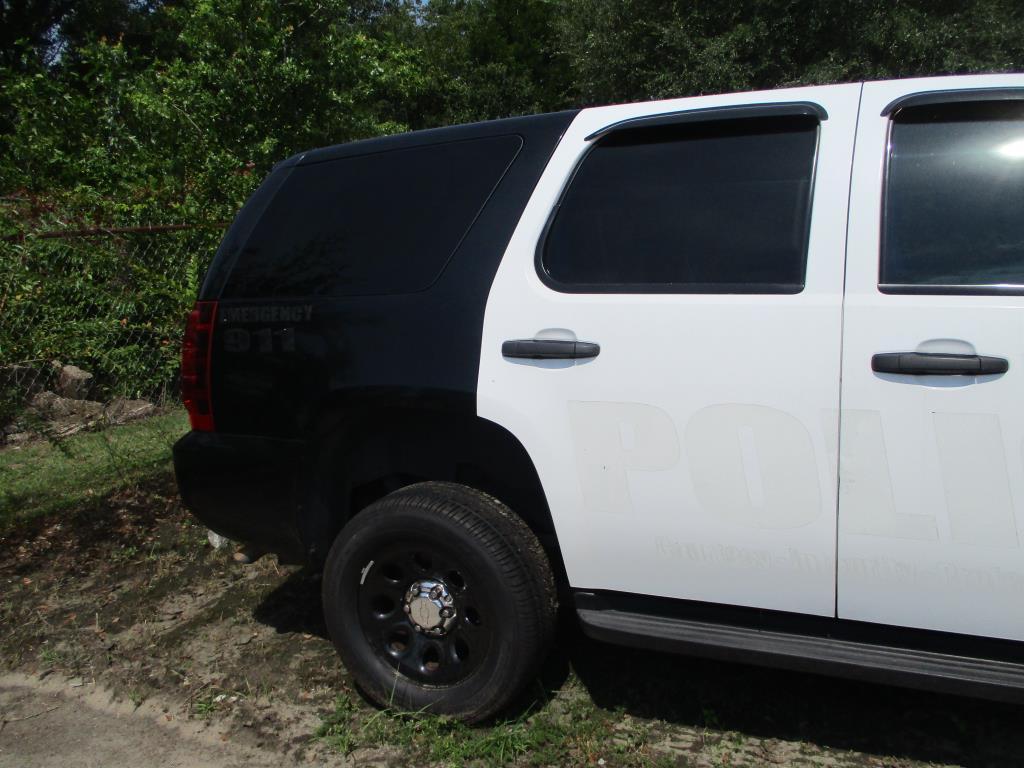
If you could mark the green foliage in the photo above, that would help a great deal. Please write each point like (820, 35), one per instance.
(490, 59)
(643, 49)
(124, 112)
(187, 134)
(54, 29)
(113, 306)
(117, 113)
(180, 130)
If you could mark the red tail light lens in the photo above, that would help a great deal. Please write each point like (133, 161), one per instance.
(195, 365)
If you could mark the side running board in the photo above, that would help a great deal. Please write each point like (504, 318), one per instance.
(925, 669)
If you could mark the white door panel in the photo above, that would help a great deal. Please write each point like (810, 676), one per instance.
(695, 456)
(931, 467)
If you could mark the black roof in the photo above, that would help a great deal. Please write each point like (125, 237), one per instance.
(510, 125)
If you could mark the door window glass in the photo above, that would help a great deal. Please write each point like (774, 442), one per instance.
(713, 207)
(953, 219)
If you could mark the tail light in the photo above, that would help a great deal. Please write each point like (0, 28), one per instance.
(195, 365)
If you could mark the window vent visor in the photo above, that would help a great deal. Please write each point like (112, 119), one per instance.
(715, 114)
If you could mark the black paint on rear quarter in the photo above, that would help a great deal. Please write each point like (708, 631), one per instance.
(420, 341)
(308, 363)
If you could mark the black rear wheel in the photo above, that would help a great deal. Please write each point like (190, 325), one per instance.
(438, 597)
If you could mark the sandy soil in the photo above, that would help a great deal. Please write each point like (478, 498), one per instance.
(80, 725)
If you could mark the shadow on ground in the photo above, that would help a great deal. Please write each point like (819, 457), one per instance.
(775, 704)
(763, 703)
(294, 606)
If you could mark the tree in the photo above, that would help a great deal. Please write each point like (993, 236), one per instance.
(51, 30)
(188, 130)
(642, 49)
(486, 59)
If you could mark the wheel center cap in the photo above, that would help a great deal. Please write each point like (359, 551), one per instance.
(430, 606)
(425, 612)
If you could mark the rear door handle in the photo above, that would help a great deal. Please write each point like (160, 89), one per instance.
(549, 349)
(937, 364)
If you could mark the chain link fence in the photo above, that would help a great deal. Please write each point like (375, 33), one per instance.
(91, 324)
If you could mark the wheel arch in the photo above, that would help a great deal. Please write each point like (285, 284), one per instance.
(368, 452)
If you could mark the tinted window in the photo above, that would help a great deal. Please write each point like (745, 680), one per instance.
(379, 223)
(954, 199)
(709, 207)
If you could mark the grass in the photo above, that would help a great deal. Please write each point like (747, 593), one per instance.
(568, 731)
(46, 477)
(204, 706)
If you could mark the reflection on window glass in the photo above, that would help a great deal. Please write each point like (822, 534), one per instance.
(719, 207)
(954, 202)
(372, 224)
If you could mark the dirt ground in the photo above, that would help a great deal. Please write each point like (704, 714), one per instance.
(125, 638)
(49, 722)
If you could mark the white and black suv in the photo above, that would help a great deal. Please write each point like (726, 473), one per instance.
(743, 374)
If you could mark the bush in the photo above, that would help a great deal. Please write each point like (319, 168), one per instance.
(114, 305)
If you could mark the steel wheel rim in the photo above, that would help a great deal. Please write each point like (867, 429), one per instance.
(441, 658)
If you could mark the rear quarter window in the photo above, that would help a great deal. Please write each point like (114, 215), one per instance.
(371, 224)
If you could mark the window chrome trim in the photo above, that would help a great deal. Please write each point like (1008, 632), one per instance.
(1000, 289)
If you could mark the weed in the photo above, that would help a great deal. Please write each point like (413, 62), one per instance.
(631, 737)
(124, 554)
(204, 706)
(336, 727)
(50, 657)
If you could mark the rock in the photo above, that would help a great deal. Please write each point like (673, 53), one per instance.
(73, 382)
(66, 416)
(216, 540)
(122, 410)
(247, 555)
(53, 407)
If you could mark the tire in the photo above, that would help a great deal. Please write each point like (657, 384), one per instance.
(400, 569)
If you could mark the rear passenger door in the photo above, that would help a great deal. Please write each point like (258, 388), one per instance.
(694, 456)
(932, 470)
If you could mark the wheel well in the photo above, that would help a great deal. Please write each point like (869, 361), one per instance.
(375, 452)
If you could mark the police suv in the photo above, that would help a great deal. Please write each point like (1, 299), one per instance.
(739, 376)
